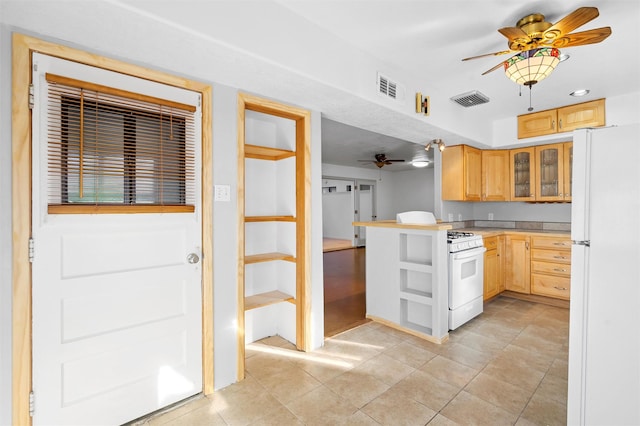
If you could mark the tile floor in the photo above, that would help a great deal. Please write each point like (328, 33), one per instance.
(508, 366)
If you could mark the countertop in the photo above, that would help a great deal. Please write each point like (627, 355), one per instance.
(394, 224)
(491, 232)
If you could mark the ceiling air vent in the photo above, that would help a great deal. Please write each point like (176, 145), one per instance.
(470, 99)
(387, 87)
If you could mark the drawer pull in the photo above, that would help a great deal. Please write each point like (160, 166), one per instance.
(559, 270)
(559, 257)
(559, 244)
(560, 288)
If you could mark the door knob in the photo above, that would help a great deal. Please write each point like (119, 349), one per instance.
(193, 258)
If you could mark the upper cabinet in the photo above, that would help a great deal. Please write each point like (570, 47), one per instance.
(568, 170)
(537, 124)
(461, 173)
(553, 174)
(588, 114)
(495, 175)
(522, 167)
(565, 119)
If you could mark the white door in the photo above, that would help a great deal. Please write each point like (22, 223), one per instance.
(116, 303)
(365, 208)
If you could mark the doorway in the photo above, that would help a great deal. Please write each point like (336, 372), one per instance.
(23, 48)
(345, 200)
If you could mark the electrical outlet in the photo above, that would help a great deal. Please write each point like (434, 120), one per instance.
(450, 217)
(490, 216)
(221, 193)
(459, 217)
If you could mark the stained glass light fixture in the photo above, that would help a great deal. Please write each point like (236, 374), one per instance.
(531, 66)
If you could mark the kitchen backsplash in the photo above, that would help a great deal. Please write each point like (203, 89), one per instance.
(513, 224)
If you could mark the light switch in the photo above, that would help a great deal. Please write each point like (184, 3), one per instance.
(221, 193)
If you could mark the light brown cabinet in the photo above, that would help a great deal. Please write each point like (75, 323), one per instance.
(495, 175)
(461, 173)
(493, 267)
(534, 173)
(518, 264)
(537, 124)
(564, 119)
(522, 167)
(568, 170)
(553, 172)
(551, 266)
(586, 114)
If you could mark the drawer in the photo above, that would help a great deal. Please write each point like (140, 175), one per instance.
(490, 243)
(553, 243)
(558, 256)
(548, 285)
(551, 268)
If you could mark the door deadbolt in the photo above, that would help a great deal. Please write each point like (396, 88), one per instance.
(193, 258)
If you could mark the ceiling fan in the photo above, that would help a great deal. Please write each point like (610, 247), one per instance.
(381, 160)
(533, 32)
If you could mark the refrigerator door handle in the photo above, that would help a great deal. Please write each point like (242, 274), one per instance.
(581, 243)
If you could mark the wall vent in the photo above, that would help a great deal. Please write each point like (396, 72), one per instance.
(470, 99)
(387, 87)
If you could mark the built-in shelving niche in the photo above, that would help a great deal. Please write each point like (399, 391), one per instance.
(274, 204)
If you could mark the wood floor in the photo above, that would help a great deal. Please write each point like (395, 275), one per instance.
(344, 290)
(331, 244)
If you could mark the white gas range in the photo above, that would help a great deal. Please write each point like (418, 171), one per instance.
(466, 276)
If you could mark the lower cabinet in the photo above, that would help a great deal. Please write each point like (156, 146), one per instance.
(551, 267)
(528, 264)
(493, 268)
(518, 264)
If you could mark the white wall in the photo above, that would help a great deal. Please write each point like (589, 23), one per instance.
(413, 190)
(396, 192)
(337, 215)
(146, 42)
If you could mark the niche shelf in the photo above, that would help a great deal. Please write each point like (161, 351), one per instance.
(274, 228)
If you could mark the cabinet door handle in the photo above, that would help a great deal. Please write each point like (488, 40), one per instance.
(560, 288)
(553, 124)
(559, 257)
(526, 245)
(560, 123)
(559, 270)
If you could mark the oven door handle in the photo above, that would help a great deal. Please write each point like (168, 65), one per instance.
(465, 254)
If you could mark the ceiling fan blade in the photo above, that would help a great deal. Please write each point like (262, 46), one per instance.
(394, 161)
(582, 38)
(575, 19)
(502, 52)
(493, 69)
(515, 33)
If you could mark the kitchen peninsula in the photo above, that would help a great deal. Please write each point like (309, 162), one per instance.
(407, 277)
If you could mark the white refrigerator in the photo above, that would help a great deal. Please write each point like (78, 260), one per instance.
(604, 336)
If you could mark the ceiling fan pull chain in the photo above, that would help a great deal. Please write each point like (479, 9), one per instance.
(530, 107)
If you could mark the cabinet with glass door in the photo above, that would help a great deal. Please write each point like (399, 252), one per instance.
(523, 174)
(550, 172)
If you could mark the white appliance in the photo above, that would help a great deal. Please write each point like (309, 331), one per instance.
(604, 337)
(466, 277)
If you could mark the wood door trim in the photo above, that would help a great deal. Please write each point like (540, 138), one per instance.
(23, 47)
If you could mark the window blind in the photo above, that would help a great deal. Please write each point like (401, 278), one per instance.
(111, 150)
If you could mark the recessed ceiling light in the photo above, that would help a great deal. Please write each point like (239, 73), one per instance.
(580, 92)
(420, 163)
(563, 57)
